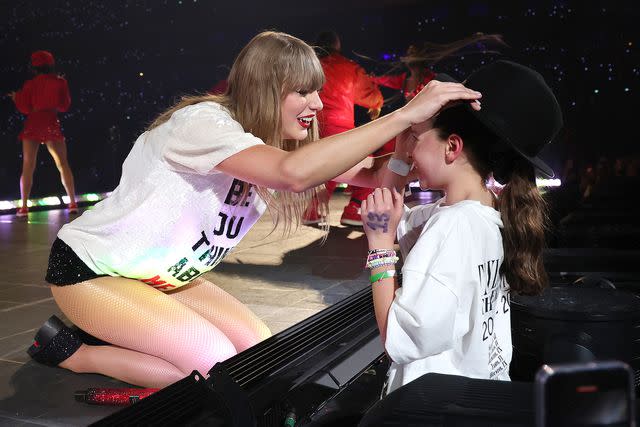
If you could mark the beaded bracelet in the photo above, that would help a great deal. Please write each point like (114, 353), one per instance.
(375, 278)
(379, 262)
(380, 253)
(377, 251)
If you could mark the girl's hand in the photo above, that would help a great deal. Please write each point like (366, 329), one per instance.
(381, 214)
(434, 97)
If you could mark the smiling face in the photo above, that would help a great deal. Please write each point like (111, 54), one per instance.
(429, 156)
(263, 78)
(298, 110)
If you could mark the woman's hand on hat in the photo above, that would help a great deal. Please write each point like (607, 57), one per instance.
(436, 96)
(381, 213)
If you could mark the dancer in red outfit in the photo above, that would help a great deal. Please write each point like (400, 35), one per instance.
(346, 85)
(40, 99)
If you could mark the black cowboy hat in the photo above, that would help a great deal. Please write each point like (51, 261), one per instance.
(518, 106)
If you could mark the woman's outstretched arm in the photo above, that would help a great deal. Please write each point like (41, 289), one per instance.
(329, 157)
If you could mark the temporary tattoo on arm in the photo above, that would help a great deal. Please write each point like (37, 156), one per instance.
(378, 221)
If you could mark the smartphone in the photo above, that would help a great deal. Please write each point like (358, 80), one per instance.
(594, 394)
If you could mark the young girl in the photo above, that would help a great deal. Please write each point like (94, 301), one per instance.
(128, 271)
(464, 254)
(41, 99)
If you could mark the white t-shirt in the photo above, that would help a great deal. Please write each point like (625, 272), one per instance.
(452, 314)
(172, 216)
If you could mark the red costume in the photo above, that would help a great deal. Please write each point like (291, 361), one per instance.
(41, 98)
(346, 85)
(399, 82)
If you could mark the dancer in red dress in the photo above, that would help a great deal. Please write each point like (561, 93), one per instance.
(346, 85)
(40, 99)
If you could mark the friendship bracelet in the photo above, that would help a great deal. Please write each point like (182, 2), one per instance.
(375, 278)
(380, 253)
(381, 262)
(375, 257)
(377, 251)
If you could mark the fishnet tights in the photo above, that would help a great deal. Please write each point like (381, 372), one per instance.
(158, 338)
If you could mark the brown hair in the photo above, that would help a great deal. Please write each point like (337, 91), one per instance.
(522, 207)
(422, 56)
(269, 67)
(430, 53)
(524, 215)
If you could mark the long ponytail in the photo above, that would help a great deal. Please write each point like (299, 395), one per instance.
(524, 215)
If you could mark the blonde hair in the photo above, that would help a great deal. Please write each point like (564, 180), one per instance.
(269, 67)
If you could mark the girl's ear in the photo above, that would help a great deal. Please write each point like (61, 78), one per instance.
(454, 147)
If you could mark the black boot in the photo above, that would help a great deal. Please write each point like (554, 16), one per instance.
(54, 342)
(87, 338)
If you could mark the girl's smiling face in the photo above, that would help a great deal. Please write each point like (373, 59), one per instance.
(429, 155)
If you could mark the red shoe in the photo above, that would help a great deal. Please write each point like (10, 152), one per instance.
(347, 190)
(23, 211)
(72, 208)
(351, 215)
(311, 217)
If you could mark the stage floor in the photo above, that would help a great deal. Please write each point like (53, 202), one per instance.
(283, 280)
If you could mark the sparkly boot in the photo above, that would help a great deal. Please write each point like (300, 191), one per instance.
(54, 342)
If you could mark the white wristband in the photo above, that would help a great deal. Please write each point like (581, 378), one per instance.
(398, 166)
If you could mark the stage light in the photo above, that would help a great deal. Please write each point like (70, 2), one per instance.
(6, 205)
(544, 182)
(48, 201)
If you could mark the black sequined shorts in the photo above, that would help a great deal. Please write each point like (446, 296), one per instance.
(65, 268)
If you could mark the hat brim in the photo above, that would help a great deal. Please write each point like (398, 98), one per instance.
(535, 161)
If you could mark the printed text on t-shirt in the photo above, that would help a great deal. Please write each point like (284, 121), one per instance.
(229, 225)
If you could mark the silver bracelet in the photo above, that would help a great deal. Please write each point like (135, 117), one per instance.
(398, 166)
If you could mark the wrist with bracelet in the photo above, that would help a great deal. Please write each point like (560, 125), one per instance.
(381, 258)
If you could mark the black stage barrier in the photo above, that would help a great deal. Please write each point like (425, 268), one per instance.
(288, 377)
(450, 400)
